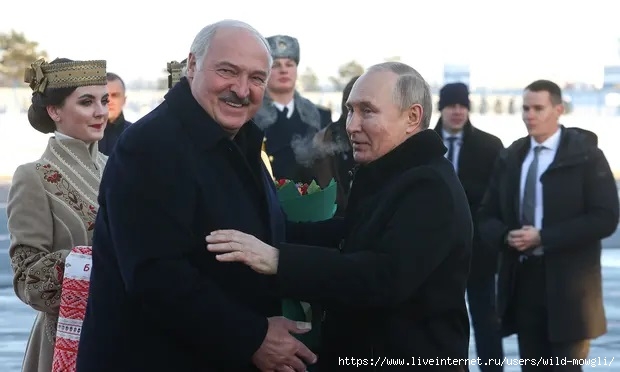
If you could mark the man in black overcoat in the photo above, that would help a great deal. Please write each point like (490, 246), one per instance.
(394, 291)
(473, 153)
(551, 201)
(159, 301)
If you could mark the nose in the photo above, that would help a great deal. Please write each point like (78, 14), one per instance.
(353, 123)
(101, 109)
(242, 87)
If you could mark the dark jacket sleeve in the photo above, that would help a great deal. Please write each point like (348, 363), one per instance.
(415, 241)
(327, 233)
(492, 229)
(600, 219)
(149, 198)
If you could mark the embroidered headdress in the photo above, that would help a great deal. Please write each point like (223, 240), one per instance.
(283, 46)
(175, 72)
(41, 75)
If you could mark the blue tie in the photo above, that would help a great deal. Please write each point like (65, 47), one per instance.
(528, 205)
(451, 141)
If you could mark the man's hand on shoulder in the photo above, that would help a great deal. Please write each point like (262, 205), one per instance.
(280, 351)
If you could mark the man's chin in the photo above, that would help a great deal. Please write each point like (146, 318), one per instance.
(232, 125)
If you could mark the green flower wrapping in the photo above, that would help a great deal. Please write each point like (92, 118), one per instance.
(306, 203)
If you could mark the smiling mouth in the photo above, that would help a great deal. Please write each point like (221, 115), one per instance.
(233, 104)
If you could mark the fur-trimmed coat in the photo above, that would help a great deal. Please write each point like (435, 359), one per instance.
(306, 149)
(51, 208)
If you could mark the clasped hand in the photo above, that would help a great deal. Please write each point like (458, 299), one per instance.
(236, 246)
(280, 351)
(524, 238)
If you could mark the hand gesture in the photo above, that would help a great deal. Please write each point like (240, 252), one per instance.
(524, 238)
(282, 352)
(235, 246)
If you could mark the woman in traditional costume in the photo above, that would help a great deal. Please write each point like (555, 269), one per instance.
(52, 201)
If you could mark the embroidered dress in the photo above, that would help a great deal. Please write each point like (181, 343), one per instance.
(51, 208)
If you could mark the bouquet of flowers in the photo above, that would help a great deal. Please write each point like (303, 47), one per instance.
(306, 203)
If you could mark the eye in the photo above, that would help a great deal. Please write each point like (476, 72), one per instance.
(226, 72)
(86, 102)
(105, 101)
(259, 80)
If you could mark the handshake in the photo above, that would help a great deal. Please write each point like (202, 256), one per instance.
(281, 351)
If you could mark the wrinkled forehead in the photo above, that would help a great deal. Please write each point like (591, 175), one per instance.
(374, 88)
(239, 47)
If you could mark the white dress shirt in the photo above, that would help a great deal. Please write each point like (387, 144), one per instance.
(290, 106)
(545, 158)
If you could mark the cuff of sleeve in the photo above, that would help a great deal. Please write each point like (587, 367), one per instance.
(293, 267)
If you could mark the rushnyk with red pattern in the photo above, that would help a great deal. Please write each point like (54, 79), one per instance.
(73, 302)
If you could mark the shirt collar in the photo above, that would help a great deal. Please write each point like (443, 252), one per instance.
(551, 143)
(445, 134)
(290, 106)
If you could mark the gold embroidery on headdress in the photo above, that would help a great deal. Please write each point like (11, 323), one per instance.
(175, 72)
(41, 75)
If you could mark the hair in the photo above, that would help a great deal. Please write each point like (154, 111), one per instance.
(555, 92)
(200, 45)
(410, 89)
(345, 96)
(37, 112)
(110, 76)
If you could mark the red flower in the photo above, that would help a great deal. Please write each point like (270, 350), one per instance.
(281, 182)
(303, 189)
(53, 177)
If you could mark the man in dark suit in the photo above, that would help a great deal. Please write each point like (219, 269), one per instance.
(473, 153)
(116, 120)
(159, 301)
(551, 200)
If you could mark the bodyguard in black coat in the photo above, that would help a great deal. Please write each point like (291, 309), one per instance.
(549, 289)
(159, 301)
(116, 120)
(473, 153)
(394, 291)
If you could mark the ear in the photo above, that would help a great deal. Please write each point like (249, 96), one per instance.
(414, 117)
(559, 108)
(191, 66)
(53, 112)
